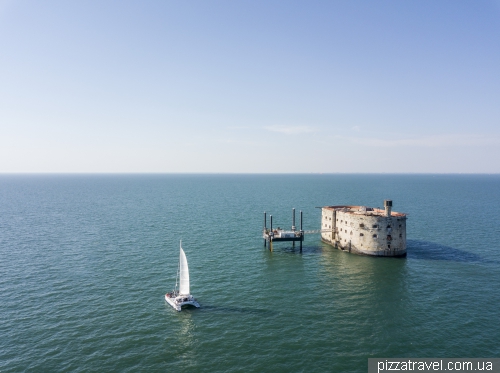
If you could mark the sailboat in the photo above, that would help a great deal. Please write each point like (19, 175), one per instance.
(181, 297)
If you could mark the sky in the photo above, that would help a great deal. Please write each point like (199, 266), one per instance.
(250, 86)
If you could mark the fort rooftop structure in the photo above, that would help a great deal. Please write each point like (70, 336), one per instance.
(365, 230)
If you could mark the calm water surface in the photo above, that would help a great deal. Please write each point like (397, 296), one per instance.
(85, 261)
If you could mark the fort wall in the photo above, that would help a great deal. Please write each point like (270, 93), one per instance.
(364, 230)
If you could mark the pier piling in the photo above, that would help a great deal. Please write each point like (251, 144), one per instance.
(301, 230)
(265, 226)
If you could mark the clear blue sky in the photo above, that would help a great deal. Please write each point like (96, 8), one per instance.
(250, 86)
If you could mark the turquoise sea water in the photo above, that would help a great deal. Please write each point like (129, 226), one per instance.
(85, 261)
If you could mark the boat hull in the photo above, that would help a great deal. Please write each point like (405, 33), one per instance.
(177, 302)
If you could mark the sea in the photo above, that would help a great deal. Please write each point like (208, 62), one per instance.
(85, 262)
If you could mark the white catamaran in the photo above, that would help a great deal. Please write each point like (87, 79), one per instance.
(181, 297)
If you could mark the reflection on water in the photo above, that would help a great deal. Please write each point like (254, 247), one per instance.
(370, 294)
(355, 272)
(289, 249)
(181, 338)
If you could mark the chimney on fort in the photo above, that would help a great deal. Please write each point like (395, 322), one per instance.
(388, 207)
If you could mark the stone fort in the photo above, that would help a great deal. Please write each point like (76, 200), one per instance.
(365, 230)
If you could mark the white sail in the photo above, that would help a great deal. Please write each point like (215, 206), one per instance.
(183, 274)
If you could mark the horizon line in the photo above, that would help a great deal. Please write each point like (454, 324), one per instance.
(248, 173)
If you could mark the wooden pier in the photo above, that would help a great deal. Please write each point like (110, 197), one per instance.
(281, 235)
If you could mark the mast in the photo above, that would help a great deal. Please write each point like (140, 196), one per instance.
(178, 268)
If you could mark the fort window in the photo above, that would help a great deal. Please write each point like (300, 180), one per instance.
(374, 236)
(388, 226)
(361, 234)
(375, 226)
(389, 237)
(400, 235)
(361, 225)
(399, 225)
(389, 246)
